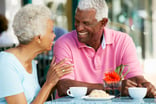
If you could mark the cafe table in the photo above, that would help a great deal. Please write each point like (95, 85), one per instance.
(119, 100)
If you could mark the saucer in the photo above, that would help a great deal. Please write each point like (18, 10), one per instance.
(98, 98)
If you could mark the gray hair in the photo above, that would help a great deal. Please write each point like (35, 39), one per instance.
(99, 5)
(30, 21)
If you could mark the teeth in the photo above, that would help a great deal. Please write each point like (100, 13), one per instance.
(82, 33)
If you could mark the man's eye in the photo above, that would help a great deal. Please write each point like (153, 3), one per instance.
(86, 23)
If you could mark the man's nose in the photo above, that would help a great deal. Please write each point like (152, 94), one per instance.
(79, 26)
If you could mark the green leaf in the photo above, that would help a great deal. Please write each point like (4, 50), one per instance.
(122, 68)
(126, 73)
(117, 70)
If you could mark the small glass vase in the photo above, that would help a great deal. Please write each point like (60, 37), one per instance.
(113, 88)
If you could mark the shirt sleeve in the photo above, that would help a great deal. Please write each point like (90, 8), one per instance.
(10, 83)
(130, 58)
(62, 49)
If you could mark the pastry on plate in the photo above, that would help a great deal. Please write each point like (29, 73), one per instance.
(98, 93)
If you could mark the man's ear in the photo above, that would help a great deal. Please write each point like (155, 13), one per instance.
(104, 21)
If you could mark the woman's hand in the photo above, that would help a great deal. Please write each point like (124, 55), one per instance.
(56, 71)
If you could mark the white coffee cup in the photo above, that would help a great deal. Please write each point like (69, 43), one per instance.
(77, 91)
(137, 92)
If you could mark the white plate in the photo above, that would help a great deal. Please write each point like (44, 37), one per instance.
(98, 98)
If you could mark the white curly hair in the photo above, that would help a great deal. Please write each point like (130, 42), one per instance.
(30, 21)
(99, 5)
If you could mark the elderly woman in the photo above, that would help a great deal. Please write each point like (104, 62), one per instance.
(18, 76)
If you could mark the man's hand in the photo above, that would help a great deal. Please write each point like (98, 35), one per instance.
(138, 81)
(125, 85)
(151, 91)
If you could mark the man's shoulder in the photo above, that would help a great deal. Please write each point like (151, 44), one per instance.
(69, 37)
(116, 32)
(117, 35)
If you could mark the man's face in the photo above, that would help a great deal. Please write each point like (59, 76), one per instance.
(87, 27)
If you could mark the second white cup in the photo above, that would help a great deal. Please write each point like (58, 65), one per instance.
(77, 91)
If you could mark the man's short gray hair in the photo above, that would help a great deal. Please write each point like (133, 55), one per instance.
(99, 5)
(30, 21)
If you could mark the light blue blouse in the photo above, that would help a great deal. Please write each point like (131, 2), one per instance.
(14, 79)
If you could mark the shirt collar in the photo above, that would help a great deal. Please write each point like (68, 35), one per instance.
(109, 36)
(103, 44)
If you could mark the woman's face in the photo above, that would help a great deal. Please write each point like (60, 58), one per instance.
(49, 36)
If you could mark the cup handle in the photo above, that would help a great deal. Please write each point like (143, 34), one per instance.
(68, 92)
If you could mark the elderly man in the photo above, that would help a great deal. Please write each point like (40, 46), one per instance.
(94, 50)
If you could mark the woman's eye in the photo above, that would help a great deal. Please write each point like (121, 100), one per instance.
(53, 31)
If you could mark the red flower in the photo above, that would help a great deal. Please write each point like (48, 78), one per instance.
(115, 76)
(112, 77)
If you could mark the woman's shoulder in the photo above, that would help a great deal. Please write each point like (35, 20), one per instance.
(5, 56)
(7, 59)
